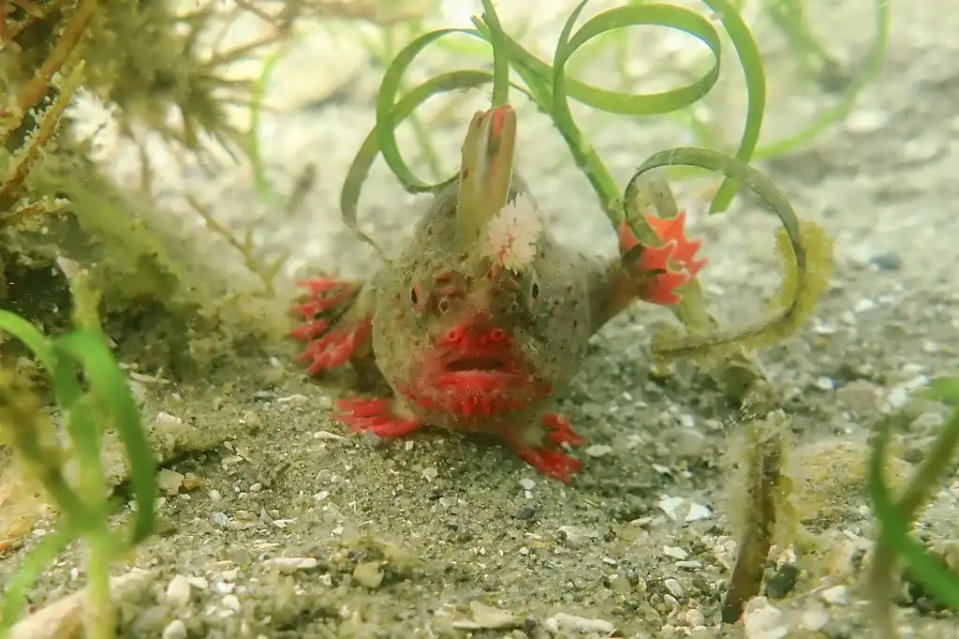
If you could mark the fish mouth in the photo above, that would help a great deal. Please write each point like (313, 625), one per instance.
(469, 363)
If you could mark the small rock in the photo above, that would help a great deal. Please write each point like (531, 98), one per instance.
(231, 602)
(166, 419)
(191, 482)
(620, 584)
(866, 120)
(287, 565)
(886, 261)
(488, 617)
(178, 591)
(176, 629)
(825, 383)
(431, 473)
(860, 395)
(921, 149)
(675, 552)
(525, 513)
(598, 450)
(698, 512)
(763, 621)
(814, 618)
(169, 481)
(200, 583)
(836, 596)
(368, 574)
(669, 505)
(527, 483)
(782, 583)
(674, 588)
(325, 434)
(577, 535)
(565, 623)
(695, 617)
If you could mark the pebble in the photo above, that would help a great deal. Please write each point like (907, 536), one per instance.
(178, 591)
(837, 595)
(669, 505)
(677, 508)
(675, 552)
(620, 584)
(431, 473)
(368, 574)
(886, 261)
(674, 588)
(599, 450)
(782, 583)
(231, 602)
(577, 535)
(225, 583)
(866, 120)
(698, 512)
(695, 617)
(489, 618)
(191, 482)
(289, 565)
(825, 383)
(176, 629)
(566, 623)
(200, 583)
(325, 434)
(921, 149)
(167, 419)
(815, 618)
(169, 481)
(525, 513)
(763, 621)
(527, 483)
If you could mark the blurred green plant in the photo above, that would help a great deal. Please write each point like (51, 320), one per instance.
(103, 401)
(816, 66)
(546, 84)
(896, 516)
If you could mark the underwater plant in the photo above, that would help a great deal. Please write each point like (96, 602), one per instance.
(896, 515)
(103, 401)
(547, 85)
(640, 212)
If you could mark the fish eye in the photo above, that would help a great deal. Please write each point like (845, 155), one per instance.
(534, 290)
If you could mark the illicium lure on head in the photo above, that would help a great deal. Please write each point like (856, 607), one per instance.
(485, 316)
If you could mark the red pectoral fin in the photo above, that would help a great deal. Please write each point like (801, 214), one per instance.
(662, 268)
(376, 415)
(333, 328)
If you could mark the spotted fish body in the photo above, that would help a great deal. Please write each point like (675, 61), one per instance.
(485, 317)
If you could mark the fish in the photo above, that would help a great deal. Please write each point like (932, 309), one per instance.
(485, 317)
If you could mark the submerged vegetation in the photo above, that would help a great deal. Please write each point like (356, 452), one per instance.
(87, 412)
(147, 61)
(896, 516)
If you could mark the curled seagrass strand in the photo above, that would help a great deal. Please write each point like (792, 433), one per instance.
(805, 250)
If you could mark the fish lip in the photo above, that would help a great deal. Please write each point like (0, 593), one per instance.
(472, 362)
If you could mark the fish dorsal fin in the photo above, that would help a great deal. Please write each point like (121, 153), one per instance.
(486, 171)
